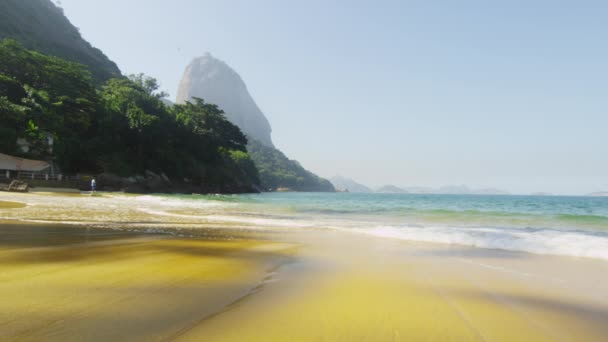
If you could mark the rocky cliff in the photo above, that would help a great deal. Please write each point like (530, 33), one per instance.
(215, 82)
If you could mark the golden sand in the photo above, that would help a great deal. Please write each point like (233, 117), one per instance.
(104, 285)
(375, 294)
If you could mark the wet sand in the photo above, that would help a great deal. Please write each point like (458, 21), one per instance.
(60, 282)
(73, 284)
(11, 205)
(378, 290)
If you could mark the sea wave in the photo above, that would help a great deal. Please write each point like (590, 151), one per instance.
(248, 221)
(576, 243)
(565, 226)
(538, 241)
(177, 202)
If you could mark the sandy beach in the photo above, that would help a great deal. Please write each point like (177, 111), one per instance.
(113, 275)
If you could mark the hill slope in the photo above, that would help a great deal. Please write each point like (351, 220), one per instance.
(40, 25)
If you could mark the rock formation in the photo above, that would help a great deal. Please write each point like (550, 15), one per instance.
(214, 81)
(15, 186)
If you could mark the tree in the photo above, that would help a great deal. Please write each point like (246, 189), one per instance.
(148, 84)
(207, 120)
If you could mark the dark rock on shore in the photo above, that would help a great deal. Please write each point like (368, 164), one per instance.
(15, 186)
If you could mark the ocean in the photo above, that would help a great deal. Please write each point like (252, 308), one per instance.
(557, 225)
(560, 225)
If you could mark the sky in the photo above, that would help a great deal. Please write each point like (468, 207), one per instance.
(503, 94)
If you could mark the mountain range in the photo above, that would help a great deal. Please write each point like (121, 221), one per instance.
(391, 189)
(346, 184)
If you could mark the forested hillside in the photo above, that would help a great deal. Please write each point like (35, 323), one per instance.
(40, 25)
(122, 127)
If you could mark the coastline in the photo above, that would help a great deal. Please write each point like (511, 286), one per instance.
(120, 279)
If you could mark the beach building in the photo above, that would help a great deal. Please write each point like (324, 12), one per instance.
(15, 167)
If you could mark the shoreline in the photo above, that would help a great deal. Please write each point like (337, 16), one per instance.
(94, 282)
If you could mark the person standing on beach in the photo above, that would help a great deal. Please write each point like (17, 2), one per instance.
(93, 185)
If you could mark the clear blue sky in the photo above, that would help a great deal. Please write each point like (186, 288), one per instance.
(507, 94)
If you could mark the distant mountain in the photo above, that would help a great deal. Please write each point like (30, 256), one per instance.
(391, 189)
(454, 190)
(40, 25)
(541, 194)
(465, 190)
(341, 183)
(489, 191)
(418, 189)
(444, 190)
(599, 194)
(215, 82)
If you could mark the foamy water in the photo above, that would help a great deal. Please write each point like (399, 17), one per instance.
(539, 241)
(572, 226)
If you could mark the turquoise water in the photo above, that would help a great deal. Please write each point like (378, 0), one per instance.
(561, 212)
(570, 226)
(574, 226)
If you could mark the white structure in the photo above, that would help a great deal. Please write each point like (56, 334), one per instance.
(10, 163)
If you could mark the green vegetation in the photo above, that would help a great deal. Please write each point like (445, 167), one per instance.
(40, 25)
(44, 97)
(123, 127)
(277, 171)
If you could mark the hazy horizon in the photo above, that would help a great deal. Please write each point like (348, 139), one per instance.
(509, 96)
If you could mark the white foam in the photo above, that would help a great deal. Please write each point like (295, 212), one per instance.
(177, 202)
(544, 241)
(249, 221)
(122, 210)
(269, 222)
